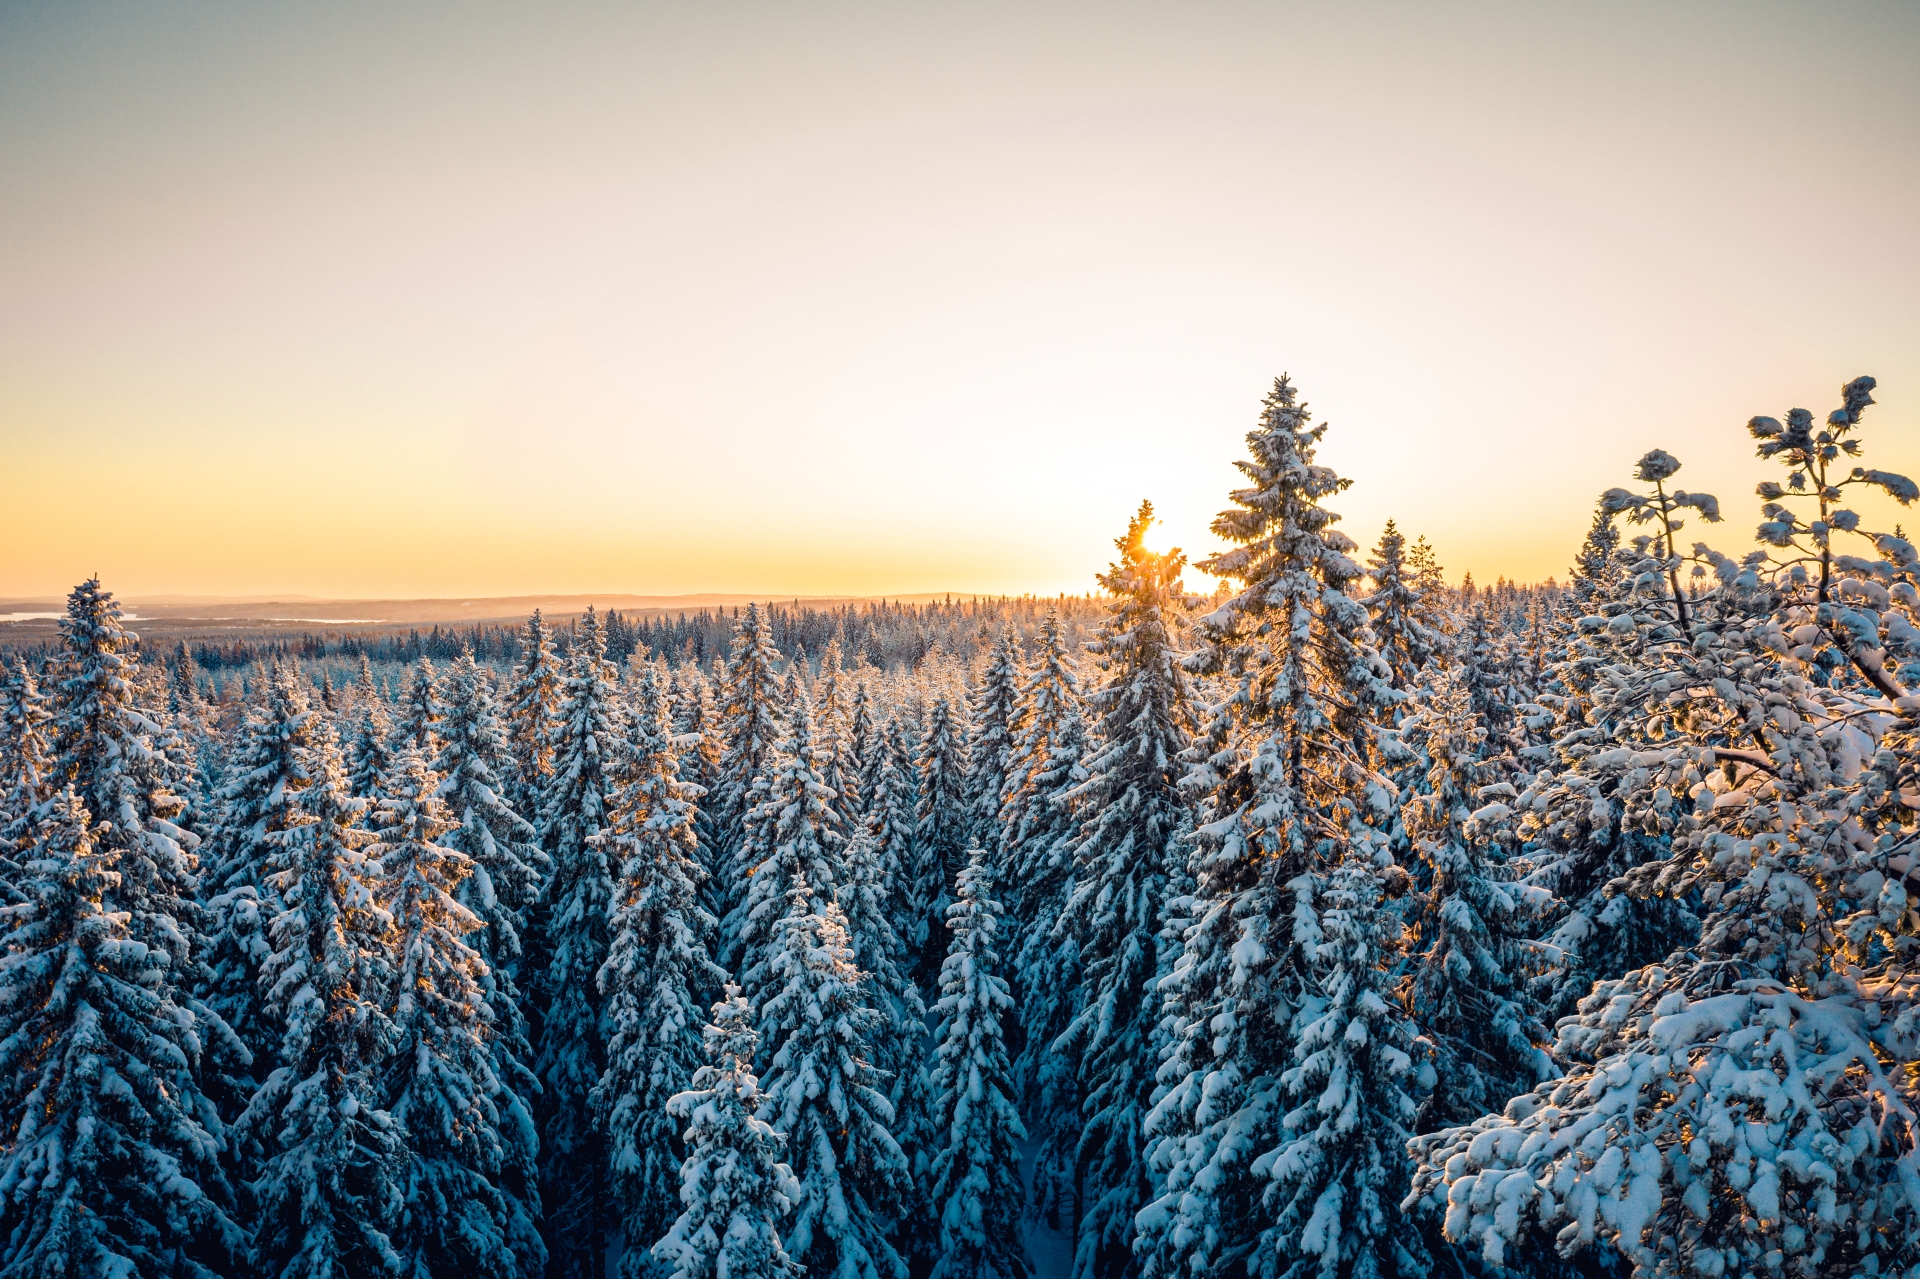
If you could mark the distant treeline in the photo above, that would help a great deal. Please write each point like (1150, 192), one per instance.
(887, 634)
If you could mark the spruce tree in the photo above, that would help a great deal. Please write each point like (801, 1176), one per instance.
(572, 1046)
(1400, 611)
(1340, 1169)
(795, 837)
(750, 715)
(531, 706)
(259, 803)
(329, 1193)
(25, 769)
(416, 722)
(440, 1085)
(976, 1187)
(865, 743)
(112, 753)
(734, 1189)
(655, 964)
(823, 1092)
(697, 728)
(508, 870)
(1284, 770)
(941, 825)
(370, 750)
(1126, 856)
(995, 710)
(1038, 817)
(111, 1158)
(900, 1037)
(1464, 992)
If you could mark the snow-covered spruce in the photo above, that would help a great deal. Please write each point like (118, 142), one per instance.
(111, 1161)
(1339, 1170)
(509, 868)
(941, 825)
(750, 713)
(1037, 816)
(533, 698)
(25, 766)
(370, 748)
(654, 964)
(112, 751)
(575, 920)
(1125, 856)
(795, 838)
(900, 1037)
(823, 1092)
(1465, 992)
(995, 707)
(734, 1189)
(416, 721)
(467, 1208)
(1283, 769)
(1406, 622)
(976, 1187)
(259, 802)
(329, 1193)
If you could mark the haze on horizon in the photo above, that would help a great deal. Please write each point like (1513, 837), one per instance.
(863, 299)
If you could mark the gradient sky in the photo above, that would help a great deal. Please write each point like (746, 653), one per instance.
(375, 300)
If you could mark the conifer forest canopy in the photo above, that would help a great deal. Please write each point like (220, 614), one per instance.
(1342, 924)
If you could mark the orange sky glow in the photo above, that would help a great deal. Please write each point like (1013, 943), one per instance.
(358, 301)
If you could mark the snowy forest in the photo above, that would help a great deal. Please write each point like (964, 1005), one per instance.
(1340, 922)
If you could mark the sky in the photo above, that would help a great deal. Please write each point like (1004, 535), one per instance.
(365, 300)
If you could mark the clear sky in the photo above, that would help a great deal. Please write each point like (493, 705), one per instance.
(375, 299)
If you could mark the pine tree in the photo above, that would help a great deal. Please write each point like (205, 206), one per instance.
(1125, 858)
(1284, 769)
(1340, 1169)
(976, 1176)
(655, 964)
(508, 871)
(572, 1047)
(111, 1157)
(995, 709)
(735, 1190)
(440, 1085)
(941, 824)
(1716, 1113)
(329, 1193)
(531, 706)
(749, 710)
(822, 1092)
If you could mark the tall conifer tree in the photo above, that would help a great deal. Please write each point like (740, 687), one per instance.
(572, 1046)
(655, 964)
(1284, 768)
(1126, 858)
(976, 1174)
(110, 1164)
